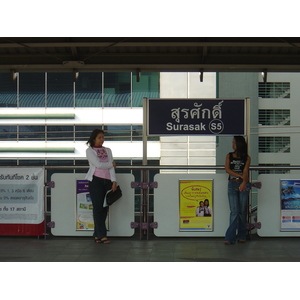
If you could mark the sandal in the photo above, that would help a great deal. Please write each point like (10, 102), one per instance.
(242, 241)
(228, 243)
(104, 240)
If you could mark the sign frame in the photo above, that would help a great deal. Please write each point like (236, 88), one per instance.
(196, 116)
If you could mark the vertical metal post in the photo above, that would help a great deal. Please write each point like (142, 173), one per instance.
(145, 173)
(247, 113)
(145, 137)
(248, 134)
(45, 204)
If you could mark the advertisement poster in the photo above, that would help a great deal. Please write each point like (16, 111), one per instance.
(290, 205)
(84, 211)
(84, 207)
(196, 205)
(22, 195)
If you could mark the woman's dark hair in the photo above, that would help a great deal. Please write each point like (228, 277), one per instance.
(91, 140)
(241, 147)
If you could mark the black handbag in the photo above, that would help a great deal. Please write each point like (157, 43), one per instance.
(112, 197)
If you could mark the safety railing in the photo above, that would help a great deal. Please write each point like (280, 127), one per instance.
(144, 224)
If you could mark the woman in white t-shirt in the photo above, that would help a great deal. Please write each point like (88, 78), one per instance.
(200, 209)
(102, 178)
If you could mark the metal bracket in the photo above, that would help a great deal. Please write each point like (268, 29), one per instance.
(256, 185)
(251, 226)
(144, 185)
(144, 226)
(51, 224)
(50, 184)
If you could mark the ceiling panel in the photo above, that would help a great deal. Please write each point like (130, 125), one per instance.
(195, 54)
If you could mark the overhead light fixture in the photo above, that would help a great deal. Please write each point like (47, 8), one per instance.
(75, 75)
(138, 75)
(265, 75)
(13, 75)
(201, 76)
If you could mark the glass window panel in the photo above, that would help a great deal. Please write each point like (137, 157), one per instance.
(60, 162)
(148, 87)
(8, 91)
(32, 89)
(274, 117)
(117, 133)
(8, 133)
(82, 163)
(274, 144)
(88, 90)
(32, 162)
(31, 132)
(123, 163)
(60, 133)
(276, 171)
(137, 133)
(8, 162)
(117, 88)
(83, 132)
(60, 90)
(274, 89)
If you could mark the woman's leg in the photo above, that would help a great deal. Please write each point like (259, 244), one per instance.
(98, 188)
(233, 197)
(242, 232)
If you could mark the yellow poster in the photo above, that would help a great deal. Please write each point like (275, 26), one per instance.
(196, 205)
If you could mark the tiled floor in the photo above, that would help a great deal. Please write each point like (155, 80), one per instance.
(82, 249)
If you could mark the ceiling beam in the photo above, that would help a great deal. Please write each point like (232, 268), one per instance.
(149, 44)
(152, 68)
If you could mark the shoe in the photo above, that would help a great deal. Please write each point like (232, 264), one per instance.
(242, 241)
(104, 240)
(228, 243)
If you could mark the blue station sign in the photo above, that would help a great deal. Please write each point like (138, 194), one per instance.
(196, 116)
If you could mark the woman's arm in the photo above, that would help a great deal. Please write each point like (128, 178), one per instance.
(112, 171)
(246, 169)
(245, 176)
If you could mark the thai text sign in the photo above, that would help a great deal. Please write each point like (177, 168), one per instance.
(21, 195)
(196, 116)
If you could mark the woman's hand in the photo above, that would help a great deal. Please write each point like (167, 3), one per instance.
(114, 186)
(242, 186)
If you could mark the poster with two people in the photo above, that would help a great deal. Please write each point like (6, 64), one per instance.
(196, 205)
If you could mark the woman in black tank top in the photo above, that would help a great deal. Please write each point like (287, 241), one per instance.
(237, 166)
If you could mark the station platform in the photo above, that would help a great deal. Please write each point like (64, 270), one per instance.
(153, 249)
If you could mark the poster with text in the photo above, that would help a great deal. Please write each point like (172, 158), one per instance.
(21, 195)
(84, 206)
(290, 205)
(196, 205)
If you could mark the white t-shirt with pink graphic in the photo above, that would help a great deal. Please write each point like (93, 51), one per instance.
(103, 157)
(101, 160)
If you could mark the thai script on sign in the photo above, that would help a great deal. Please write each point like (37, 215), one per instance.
(11, 177)
(197, 112)
(18, 177)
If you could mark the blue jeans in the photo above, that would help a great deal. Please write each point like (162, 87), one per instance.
(238, 212)
(98, 188)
